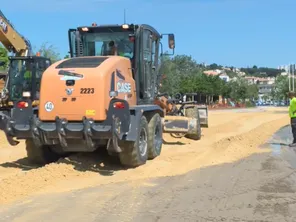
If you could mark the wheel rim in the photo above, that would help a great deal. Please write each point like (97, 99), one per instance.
(157, 137)
(143, 142)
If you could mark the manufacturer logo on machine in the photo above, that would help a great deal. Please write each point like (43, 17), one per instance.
(69, 91)
(3, 25)
(123, 87)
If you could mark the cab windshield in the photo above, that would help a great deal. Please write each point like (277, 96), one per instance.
(24, 75)
(20, 78)
(107, 43)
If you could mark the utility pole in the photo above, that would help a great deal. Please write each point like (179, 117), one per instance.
(293, 79)
(289, 77)
(124, 17)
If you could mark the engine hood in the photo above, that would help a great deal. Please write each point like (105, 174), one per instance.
(78, 87)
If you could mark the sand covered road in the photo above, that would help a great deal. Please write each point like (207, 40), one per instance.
(232, 135)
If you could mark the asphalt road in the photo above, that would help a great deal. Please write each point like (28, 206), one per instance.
(260, 187)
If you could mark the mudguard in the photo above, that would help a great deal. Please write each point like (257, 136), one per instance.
(136, 113)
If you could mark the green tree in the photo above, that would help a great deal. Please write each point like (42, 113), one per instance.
(252, 92)
(265, 97)
(262, 71)
(3, 58)
(49, 51)
(214, 66)
(231, 74)
(66, 56)
(281, 87)
(175, 71)
(184, 75)
(170, 83)
(225, 89)
(239, 89)
(273, 94)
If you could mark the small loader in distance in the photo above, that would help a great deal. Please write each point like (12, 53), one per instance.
(184, 105)
(101, 98)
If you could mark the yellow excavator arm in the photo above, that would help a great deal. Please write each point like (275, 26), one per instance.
(12, 40)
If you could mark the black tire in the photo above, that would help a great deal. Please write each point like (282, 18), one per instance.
(131, 155)
(192, 112)
(40, 155)
(154, 136)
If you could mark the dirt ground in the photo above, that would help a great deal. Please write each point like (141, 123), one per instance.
(233, 135)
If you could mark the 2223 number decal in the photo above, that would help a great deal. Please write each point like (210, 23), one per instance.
(87, 90)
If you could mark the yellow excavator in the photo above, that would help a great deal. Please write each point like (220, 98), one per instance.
(23, 75)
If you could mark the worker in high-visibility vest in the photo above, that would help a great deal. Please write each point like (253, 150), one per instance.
(292, 115)
(27, 79)
(28, 75)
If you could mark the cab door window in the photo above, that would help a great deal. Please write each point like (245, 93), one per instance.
(146, 74)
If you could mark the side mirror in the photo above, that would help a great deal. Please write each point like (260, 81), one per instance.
(171, 41)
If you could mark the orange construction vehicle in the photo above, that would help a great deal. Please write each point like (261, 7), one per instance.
(107, 93)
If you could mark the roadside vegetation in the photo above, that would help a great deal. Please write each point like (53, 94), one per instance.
(182, 74)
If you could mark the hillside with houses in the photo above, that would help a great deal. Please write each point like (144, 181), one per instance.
(265, 81)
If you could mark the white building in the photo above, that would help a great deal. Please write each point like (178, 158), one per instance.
(224, 77)
(221, 73)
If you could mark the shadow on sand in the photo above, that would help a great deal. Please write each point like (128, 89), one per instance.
(99, 161)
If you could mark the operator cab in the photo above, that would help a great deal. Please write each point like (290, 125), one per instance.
(24, 77)
(140, 43)
(102, 41)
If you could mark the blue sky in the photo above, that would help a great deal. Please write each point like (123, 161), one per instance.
(228, 32)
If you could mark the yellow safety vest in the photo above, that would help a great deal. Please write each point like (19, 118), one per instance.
(28, 75)
(292, 108)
